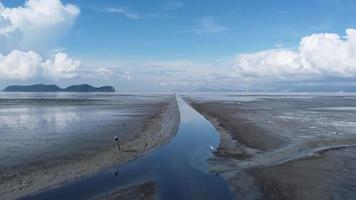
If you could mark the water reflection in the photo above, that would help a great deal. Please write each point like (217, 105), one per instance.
(31, 119)
(46, 126)
(179, 168)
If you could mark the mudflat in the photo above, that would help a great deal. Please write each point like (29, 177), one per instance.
(144, 191)
(330, 174)
(284, 147)
(50, 139)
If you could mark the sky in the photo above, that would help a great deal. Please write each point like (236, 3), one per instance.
(179, 45)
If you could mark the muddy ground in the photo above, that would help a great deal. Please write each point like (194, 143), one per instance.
(145, 191)
(50, 139)
(284, 147)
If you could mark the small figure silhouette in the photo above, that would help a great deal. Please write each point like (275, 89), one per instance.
(117, 141)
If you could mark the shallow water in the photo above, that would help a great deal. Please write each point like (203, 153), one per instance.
(179, 168)
(36, 127)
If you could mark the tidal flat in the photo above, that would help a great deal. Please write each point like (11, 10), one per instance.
(50, 139)
(283, 146)
(228, 146)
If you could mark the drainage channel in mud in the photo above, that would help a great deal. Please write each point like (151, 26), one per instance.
(179, 168)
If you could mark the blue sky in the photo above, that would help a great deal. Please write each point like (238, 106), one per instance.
(177, 44)
(251, 25)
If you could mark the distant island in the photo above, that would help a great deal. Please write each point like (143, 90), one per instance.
(55, 88)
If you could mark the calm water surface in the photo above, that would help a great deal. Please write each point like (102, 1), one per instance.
(179, 168)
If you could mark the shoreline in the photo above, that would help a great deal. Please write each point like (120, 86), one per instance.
(42, 176)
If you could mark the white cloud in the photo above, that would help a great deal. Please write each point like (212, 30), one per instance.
(113, 73)
(38, 24)
(20, 65)
(318, 56)
(103, 70)
(60, 66)
(128, 12)
(207, 25)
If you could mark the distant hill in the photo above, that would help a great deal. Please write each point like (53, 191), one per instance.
(88, 88)
(33, 88)
(55, 88)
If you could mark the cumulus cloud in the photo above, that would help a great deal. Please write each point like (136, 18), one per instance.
(22, 65)
(19, 65)
(318, 56)
(60, 66)
(38, 24)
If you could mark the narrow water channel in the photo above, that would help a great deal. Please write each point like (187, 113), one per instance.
(179, 167)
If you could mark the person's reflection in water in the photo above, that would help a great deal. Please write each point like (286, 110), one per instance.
(116, 170)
